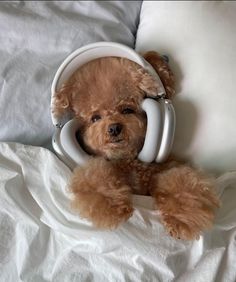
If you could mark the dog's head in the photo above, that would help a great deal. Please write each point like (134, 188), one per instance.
(105, 95)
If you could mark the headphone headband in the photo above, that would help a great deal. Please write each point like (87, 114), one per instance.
(91, 52)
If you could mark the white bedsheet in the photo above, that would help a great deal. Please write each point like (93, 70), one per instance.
(41, 239)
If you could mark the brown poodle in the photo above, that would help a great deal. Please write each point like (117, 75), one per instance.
(105, 95)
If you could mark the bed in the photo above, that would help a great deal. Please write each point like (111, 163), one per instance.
(41, 238)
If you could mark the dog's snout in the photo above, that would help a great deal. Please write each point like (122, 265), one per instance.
(114, 129)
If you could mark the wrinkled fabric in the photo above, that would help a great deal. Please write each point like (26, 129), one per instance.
(35, 37)
(42, 239)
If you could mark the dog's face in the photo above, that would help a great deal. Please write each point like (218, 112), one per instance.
(109, 107)
(106, 96)
(114, 128)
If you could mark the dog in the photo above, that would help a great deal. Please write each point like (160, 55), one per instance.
(105, 95)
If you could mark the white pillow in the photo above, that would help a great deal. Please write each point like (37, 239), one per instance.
(36, 36)
(200, 39)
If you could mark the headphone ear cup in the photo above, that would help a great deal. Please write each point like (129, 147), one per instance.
(154, 130)
(56, 144)
(167, 137)
(70, 144)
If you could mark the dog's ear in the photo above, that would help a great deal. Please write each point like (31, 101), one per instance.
(148, 84)
(160, 64)
(145, 81)
(63, 101)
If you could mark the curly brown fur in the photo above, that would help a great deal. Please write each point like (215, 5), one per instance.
(104, 198)
(105, 95)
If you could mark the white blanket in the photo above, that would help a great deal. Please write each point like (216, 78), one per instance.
(41, 239)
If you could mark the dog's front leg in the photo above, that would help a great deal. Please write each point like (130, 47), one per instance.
(101, 194)
(186, 201)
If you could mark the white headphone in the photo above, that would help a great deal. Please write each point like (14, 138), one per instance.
(160, 112)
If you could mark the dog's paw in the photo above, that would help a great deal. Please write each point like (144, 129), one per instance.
(112, 215)
(181, 230)
(186, 201)
(188, 216)
(101, 194)
(103, 211)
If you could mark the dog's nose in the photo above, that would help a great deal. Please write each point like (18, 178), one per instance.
(114, 129)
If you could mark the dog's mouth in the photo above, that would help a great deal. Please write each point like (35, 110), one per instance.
(117, 141)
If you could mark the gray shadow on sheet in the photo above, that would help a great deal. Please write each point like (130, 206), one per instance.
(186, 115)
(186, 124)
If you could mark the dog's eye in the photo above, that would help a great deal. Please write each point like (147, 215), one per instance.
(95, 118)
(127, 111)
